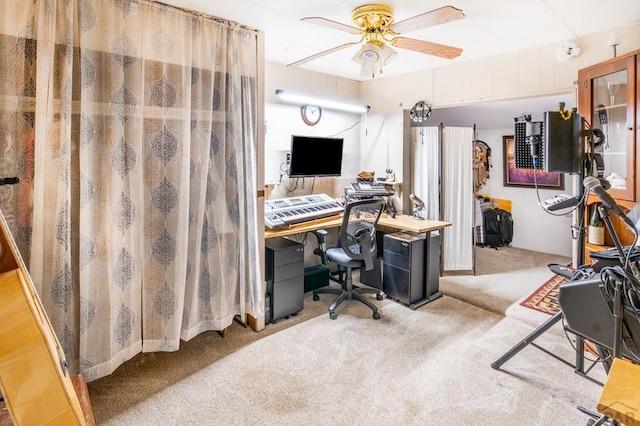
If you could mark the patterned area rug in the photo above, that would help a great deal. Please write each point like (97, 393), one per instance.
(545, 298)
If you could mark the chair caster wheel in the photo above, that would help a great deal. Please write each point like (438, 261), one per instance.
(379, 296)
(333, 315)
(376, 315)
(316, 297)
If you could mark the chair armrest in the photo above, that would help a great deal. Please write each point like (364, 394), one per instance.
(322, 245)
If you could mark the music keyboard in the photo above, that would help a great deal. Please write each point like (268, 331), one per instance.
(287, 211)
(560, 201)
(367, 189)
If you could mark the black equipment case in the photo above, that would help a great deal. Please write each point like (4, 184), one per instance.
(498, 227)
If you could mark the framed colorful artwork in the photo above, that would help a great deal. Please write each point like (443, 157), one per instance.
(525, 177)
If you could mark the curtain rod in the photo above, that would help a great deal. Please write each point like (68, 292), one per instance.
(203, 15)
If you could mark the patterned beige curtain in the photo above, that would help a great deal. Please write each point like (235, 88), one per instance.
(131, 126)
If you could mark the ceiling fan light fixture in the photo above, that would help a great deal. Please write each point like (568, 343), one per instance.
(387, 54)
(370, 52)
(377, 16)
(381, 34)
(357, 57)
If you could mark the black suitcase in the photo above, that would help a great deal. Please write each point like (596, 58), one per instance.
(498, 227)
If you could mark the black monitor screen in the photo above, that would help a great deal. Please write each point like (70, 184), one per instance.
(315, 156)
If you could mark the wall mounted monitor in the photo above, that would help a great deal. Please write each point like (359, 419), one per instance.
(313, 156)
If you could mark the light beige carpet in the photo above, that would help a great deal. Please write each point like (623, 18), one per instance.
(430, 366)
(503, 277)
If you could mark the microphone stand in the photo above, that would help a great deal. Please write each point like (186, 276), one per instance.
(604, 214)
(579, 366)
(578, 261)
(579, 215)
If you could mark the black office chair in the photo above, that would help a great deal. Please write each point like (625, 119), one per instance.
(357, 237)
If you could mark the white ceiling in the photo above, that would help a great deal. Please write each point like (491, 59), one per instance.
(490, 27)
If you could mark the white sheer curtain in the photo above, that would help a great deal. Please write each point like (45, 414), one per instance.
(426, 179)
(131, 125)
(454, 153)
(457, 152)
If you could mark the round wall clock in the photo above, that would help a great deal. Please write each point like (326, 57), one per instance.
(311, 114)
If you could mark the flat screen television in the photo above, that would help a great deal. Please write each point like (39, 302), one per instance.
(313, 156)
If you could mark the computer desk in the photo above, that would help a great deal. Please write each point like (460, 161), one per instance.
(400, 222)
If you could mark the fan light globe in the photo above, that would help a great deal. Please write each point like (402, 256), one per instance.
(370, 52)
(357, 57)
(388, 54)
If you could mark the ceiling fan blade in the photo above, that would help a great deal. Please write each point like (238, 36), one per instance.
(435, 49)
(332, 24)
(321, 54)
(428, 19)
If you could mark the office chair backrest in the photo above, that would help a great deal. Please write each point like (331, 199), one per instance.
(358, 231)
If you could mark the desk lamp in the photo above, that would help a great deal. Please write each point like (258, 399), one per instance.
(418, 206)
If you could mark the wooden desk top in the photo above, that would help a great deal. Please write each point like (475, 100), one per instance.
(408, 223)
(400, 222)
(620, 399)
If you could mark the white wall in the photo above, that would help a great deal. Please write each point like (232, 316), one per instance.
(284, 120)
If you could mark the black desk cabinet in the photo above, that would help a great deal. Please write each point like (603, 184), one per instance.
(403, 267)
(284, 271)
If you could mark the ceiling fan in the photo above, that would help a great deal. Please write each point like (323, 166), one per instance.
(378, 33)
